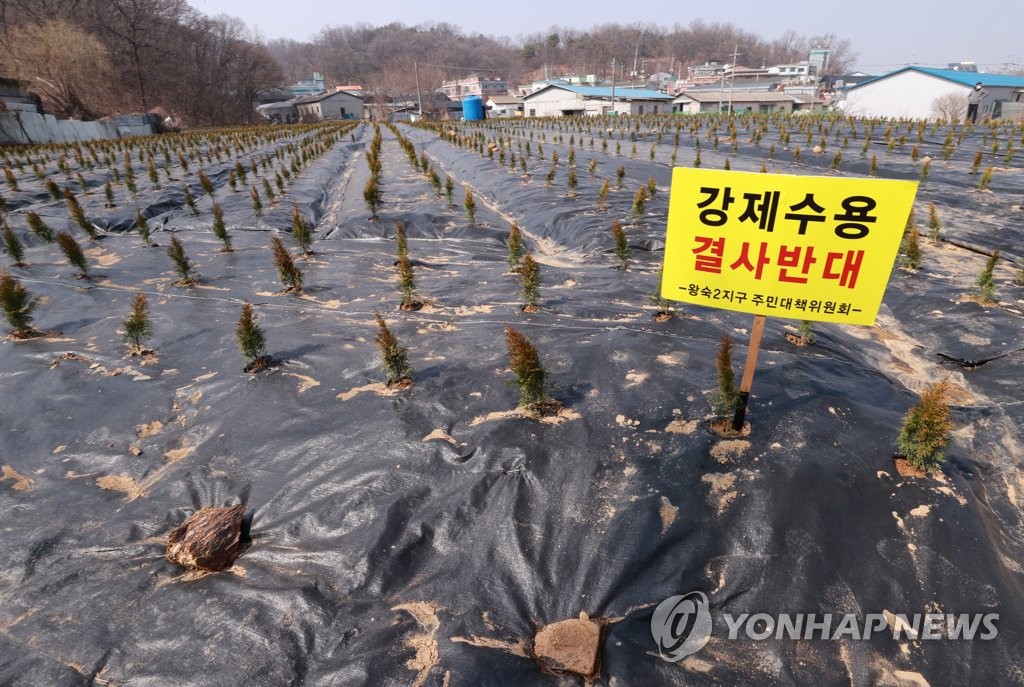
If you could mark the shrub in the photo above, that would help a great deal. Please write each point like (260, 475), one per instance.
(529, 275)
(572, 182)
(220, 230)
(137, 326)
(12, 181)
(300, 231)
(73, 252)
(393, 357)
(515, 244)
(289, 274)
(251, 340)
(986, 282)
(530, 375)
(725, 398)
(652, 187)
(12, 245)
(620, 174)
(18, 305)
(925, 431)
(38, 227)
(182, 265)
(621, 245)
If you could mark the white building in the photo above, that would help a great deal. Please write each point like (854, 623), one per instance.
(333, 105)
(912, 92)
(558, 100)
(503, 106)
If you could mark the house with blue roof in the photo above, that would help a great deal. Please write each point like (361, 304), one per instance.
(562, 100)
(919, 93)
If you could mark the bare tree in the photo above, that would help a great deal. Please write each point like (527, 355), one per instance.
(950, 107)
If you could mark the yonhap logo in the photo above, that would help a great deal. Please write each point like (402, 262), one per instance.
(681, 625)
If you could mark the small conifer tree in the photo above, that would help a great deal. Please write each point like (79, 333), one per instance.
(143, 226)
(986, 281)
(926, 427)
(38, 227)
(251, 340)
(73, 253)
(287, 271)
(639, 205)
(372, 195)
(78, 214)
(986, 179)
(620, 175)
(257, 204)
(622, 251)
(449, 189)
(393, 357)
(934, 223)
(190, 201)
(725, 398)
(17, 304)
(137, 326)
(13, 245)
(182, 265)
(602, 196)
(911, 248)
(529, 275)
(572, 182)
(530, 375)
(301, 234)
(407, 284)
(515, 245)
(206, 184)
(469, 204)
(220, 230)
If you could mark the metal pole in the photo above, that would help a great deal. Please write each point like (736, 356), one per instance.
(419, 98)
(613, 86)
(732, 81)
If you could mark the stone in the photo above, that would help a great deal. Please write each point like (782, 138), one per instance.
(569, 646)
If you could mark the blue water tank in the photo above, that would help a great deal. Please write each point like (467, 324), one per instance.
(472, 108)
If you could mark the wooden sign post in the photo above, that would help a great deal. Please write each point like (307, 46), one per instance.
(748, 373)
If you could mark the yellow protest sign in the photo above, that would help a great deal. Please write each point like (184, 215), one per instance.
(799, 247)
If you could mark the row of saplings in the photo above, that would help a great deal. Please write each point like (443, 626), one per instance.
(212, 538)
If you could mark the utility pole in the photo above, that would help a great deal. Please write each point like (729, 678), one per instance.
(732, 81)
(419, 98)
(613, 85)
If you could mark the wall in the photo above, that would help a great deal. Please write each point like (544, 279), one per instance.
(28, 128)
(908, 94)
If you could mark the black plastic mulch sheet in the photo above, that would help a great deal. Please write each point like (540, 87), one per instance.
(422, 537)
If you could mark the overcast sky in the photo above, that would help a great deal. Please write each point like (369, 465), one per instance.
(887, 34)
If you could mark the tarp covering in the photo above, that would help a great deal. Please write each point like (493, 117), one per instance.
(423, 536)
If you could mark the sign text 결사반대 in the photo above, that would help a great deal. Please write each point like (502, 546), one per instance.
(797, 247)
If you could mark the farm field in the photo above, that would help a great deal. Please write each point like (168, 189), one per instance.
(423, 535)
